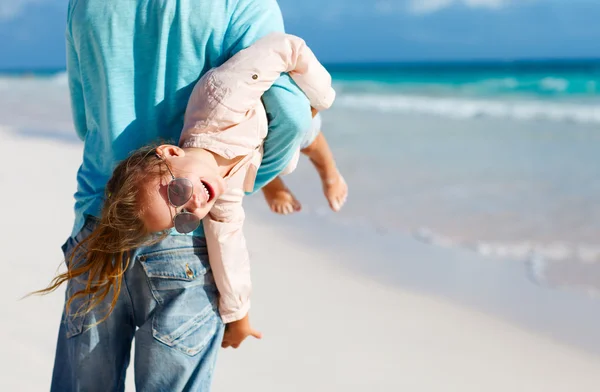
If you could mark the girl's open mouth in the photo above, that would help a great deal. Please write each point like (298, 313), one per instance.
(208, 189)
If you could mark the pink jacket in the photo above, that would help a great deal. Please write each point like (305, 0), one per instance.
(225, 115)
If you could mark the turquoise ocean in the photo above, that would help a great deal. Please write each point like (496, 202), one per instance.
(502, 158)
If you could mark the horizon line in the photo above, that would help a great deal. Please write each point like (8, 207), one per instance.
(378, 63)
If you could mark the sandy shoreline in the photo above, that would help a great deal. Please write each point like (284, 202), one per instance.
(502, 288)
(336, 330)
(339, 310)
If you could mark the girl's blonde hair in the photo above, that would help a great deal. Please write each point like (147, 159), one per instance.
(102, 258)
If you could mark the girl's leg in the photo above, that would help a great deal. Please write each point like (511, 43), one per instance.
(315, 146)
(334, 186)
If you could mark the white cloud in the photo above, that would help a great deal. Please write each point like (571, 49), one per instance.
(429, 6)
(10, 9)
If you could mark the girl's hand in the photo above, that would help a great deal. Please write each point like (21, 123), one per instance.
(237, 331)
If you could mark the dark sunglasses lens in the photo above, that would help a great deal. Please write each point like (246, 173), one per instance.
(180, 191)
(186, 222)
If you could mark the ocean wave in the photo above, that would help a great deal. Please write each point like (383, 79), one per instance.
(507, 83)
(541, 86)
(559, 265)
(524, 250)
(472, 108)
(554, 84)
(567, 274)
(59, 78)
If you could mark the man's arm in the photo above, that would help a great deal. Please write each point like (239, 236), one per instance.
(287, 107)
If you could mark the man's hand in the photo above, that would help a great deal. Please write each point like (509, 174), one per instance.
(237, 331)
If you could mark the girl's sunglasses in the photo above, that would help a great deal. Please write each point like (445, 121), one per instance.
(179, 192)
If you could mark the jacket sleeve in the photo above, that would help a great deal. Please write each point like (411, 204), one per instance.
(228, 255)
(252, 72)
(287, 107)
(278, 53)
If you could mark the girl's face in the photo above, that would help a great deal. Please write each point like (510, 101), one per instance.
(208, 186)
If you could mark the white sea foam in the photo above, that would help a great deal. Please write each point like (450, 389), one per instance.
(493, 84)
(59, 78)
(518, 250)
(463, 108)
(557, 264)
(554, 84)
(581, 277)
(14, 81)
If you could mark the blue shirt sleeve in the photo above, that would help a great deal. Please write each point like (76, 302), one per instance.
(287, 107)
(75, 84)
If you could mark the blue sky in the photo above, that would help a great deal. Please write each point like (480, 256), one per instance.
(31, 31)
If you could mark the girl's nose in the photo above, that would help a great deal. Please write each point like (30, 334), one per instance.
(196, 202)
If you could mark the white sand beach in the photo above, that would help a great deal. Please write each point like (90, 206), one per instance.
(467, 255)
(340, 311)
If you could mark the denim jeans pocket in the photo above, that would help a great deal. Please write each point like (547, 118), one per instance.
(75, 315)
(186, 317)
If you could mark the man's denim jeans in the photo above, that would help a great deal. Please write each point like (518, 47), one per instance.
(168, 302)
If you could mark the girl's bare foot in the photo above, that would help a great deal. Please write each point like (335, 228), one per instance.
(279, 198)
(335, 190)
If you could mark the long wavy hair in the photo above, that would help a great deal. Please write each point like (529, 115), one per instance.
(102, 258)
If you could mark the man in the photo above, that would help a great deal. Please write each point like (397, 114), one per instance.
(132, 66)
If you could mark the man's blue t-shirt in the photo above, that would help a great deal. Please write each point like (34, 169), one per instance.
(132, 66)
